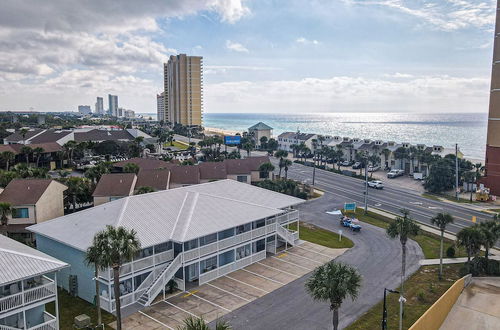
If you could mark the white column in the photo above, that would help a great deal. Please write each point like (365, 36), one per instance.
(57, 302)
(24, 309)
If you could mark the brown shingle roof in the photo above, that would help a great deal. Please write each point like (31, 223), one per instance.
(244, 166)
(16, 148)
(25, 191)
(157, 178)
(50, 136)
(255, 162)
(145, 163)
(16, 136)
(188, 174)
(115, 184)
(102, 135)
(212, 170)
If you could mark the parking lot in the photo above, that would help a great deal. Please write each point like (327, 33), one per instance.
(225, 294)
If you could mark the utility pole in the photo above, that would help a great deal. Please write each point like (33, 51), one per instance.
(456, 171)
(384, 313)
(314, 168)
(366, 186)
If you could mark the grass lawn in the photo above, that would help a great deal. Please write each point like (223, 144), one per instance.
(422, 289)
(439, 197)
(176, 144)
(70, 306)
(427, 241)
(321, 236)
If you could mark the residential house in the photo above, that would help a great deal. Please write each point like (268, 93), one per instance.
(260, 130)
(287, 139)
(28, 280)
(113, 186)
(191, 234)
(144, 163)
(33, 201)
(50, 157)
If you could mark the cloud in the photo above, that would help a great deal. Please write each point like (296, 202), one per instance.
(217, 69)
(235, 46)
(417, 94)
(230, 10)
(305, 41)
(398, 75)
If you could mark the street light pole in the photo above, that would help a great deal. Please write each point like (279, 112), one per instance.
(366, 187)
(314, 170)
(384, 313)
(456, 171)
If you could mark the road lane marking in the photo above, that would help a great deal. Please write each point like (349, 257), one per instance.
(157, 321)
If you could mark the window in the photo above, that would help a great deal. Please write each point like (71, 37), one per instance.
(226, 233)
(258, 246)
(114, 198)
(208, 264)
(21, 213)
(226, 258)
(192, 244)
(243, 228)
(241, 178)
(263, 175)
(259, 223)
(208, 239)
(163, 247)
(243, 251)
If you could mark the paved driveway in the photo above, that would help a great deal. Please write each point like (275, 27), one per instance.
(376, 257)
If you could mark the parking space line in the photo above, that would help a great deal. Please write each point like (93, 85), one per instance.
(181, 309)
(291, 263)
(152, 318)
(247, 300)
(173, 296)
(208, 301)
(264, 277)
(298, 255)
(189, 293)
(324, 255)
(279, 270)
(250, 285)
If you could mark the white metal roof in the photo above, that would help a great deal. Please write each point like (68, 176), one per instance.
(179, 214)
(19, 261)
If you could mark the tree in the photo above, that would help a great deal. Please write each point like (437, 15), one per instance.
(79, 191)
(131, 168)
(490, 231)
(263, 142)
(144, 190)
(272, 145)
(401, 154)
(281, 154)
(8, 157)
(94, 256)
(334, 282)
(69, 147)
(248, 147)
(23, 133)
(441, 176)
(471, 239)
(26, 151)
(5, 212)
(198, 323)
(38, 151)
(286, 164)
(441, 220)
(151, 147)
(403, 227)
(265, 168)
(117, 246)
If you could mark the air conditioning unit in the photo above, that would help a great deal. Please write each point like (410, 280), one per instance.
(82, 321)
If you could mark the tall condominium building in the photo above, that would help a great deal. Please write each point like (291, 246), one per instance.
(492, 173)
(160, 107)
(113, 105)
(99, 106)
(183, 84)
(84, 109)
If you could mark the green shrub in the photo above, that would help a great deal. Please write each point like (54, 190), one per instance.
(450, 252)
(421, 295)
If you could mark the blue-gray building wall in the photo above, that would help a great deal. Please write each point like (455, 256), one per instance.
(76, 259)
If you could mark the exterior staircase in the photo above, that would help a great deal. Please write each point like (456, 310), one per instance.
(290, 237)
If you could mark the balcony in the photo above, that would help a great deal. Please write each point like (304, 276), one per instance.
(49, 323)
(41, 290)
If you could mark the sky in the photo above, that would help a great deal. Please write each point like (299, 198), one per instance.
(290, 56)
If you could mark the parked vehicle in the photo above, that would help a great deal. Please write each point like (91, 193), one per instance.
(377, 184)
(395, 173)
(349, 223)
(345, 163)
(357, 165)
(418, 176)
(373, 168)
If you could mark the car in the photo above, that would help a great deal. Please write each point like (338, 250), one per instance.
(377, 184)
(373, 168)
(357, 165)
(345, 163)
(395, 173)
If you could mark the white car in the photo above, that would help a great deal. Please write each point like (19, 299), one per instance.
(395, 173)
(376, 184)
(373, 168)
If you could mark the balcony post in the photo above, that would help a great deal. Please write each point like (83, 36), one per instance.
(22, 300)
(57, 301)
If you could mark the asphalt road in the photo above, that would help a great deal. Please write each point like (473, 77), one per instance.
(376, 257)
(391, 199)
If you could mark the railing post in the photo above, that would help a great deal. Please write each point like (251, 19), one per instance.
(57, 301)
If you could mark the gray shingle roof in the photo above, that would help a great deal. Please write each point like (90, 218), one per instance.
(178, 214)
(19, 261)
(260, 126)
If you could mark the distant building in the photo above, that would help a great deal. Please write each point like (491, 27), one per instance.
(120, 112)
(99, 106)
(129, 113)
(160, 107)
(28, 281)
(84, 109)
(260, 130)
(113, 105)
(287, 139)
(183, 87)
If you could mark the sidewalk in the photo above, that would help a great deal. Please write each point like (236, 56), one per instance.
(427, 262)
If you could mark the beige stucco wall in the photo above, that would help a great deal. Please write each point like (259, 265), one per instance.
(51, 204)
(101, 200)
(24, 221)
(234, 177)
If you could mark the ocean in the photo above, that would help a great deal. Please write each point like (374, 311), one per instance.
(466, 129)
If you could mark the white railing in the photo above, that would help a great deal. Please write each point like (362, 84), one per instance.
(49, 323)
(32, 295)
(125, 300)
(6, 327)
(160, 282)
(105, 304)
(290, 237)
(209, 248)
(150, 279)
(258, 232)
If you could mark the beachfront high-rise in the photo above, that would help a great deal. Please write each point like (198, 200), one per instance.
(160, 107)
(492, 179)
(183, 87)
(113, 105)
(99, 106)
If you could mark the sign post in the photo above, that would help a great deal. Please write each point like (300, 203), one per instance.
(340, 235)
(350, 207)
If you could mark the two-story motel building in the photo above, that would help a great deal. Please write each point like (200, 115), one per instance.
(191, 235)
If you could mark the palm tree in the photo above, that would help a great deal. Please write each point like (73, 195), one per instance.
(198, 323)
(248, 147)
(441, 220)
(265, 168)
(470, 238)
(401, 154)
(5, 212)
(286, 165)
(117, 246)
(403, 227)
(334, 282)
(490, 231)
(69, 147)
(26, 151)
(144, 190)
(7, 157)
(38, 151)
(23, 132)
(94, 256)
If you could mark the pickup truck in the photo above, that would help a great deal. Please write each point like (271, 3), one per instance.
(395, 173)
